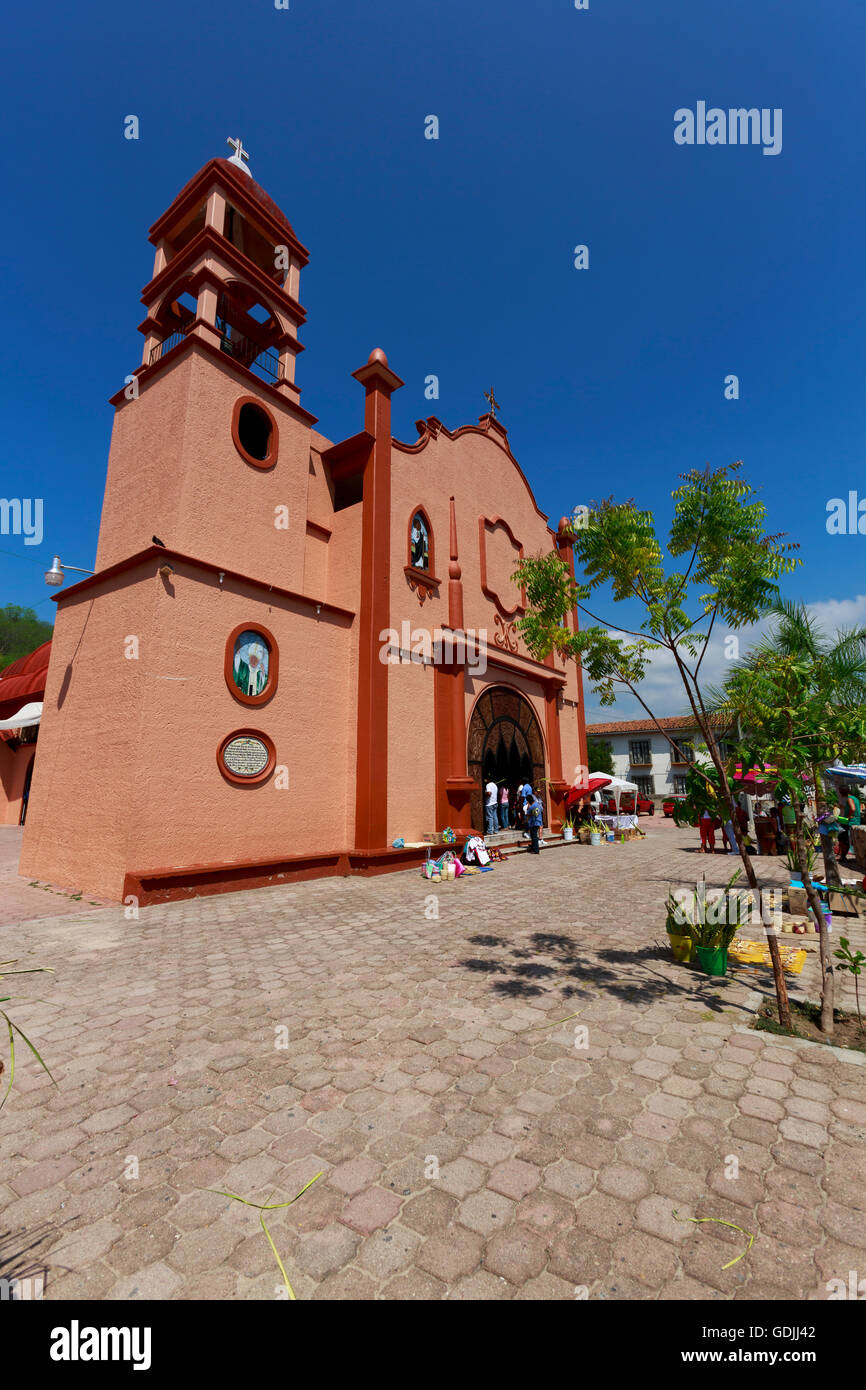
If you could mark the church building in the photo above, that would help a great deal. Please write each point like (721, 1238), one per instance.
(293, 651)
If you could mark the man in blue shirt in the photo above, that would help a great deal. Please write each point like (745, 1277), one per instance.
(533, 818)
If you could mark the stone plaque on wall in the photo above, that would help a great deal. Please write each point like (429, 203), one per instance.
(246, 756)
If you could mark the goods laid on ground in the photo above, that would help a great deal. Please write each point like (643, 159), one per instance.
(754, 953)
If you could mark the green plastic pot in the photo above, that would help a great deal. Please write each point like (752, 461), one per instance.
(713, 959)
(681, 947)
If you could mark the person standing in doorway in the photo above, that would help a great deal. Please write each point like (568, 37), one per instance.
(503, 807)
(492, 793)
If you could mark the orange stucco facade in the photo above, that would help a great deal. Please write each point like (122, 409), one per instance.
(227, 511)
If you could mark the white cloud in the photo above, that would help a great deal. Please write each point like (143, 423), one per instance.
(662, 688)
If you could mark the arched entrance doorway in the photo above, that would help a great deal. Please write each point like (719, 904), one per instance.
(505, 746)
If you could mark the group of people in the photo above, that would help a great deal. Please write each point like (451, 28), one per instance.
(840, 816)
(837, 816)
(504, 806)
(709, 824)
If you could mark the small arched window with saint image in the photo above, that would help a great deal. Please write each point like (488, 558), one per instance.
(419, 542)
(251, 668)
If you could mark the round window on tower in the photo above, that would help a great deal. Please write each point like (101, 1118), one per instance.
(255, 433)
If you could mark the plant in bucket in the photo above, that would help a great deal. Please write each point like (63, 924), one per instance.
(711, 929)
(568, 827)
(597, 831)
(677, 930)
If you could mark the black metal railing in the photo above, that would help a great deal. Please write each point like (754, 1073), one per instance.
(162, 348)
(264, 362)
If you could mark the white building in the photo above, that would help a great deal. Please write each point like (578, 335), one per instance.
(643, 755)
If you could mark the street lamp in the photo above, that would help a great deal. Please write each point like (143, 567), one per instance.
(56, 575)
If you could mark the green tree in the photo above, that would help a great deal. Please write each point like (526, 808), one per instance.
(724, 567)
(802, 699)
(21, 632)
(599, 757)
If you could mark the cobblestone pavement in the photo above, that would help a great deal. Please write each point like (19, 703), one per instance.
(248, 1042)
(22, 899)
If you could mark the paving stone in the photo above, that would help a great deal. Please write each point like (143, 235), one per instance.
(462, 1177)
(156, 1282)
(645, 1258)
(516, 1254)
(621, 1181)
(354, 1176)
(430, 1212)
(85, 1246)
(486, 1212)
(579, 1258)
(386, 1252)
(144, 1246)
(481, 1287)
(547, 1288)
(603, 1216)
(569, 1179)
(370, 1210)
(326, 1251)
(451, 1255)
(514, 1178)
(37, 1176)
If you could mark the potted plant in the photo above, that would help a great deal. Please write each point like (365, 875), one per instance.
(677, 929)
(711, 939)
(568, 827)
(597, 831)
(710, 933)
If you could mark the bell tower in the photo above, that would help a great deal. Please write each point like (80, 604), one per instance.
(227, 270)
(211, 445)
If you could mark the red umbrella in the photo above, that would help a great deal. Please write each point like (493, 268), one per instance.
(593, 784)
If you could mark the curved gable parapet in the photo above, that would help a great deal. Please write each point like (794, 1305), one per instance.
(488, 427)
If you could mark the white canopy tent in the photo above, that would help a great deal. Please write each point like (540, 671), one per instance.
(27, 716)
(616, 786)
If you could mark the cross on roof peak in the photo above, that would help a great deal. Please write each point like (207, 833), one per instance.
(492, 401)
(240, 154)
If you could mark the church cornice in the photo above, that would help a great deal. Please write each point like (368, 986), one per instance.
(488, 427)
(163, 553)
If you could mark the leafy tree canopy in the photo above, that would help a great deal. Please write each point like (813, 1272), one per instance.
(599, 757)
(21, 632)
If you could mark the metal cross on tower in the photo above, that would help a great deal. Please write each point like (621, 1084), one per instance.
(240, 154)
(493, 402)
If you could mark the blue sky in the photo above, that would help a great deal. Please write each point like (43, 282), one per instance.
(456, 255)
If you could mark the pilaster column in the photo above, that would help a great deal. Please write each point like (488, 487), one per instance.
(454, 795)
(566, 551)
(371, 793)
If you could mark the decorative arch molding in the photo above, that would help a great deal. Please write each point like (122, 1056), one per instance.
(503, 727)
(494, 523)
